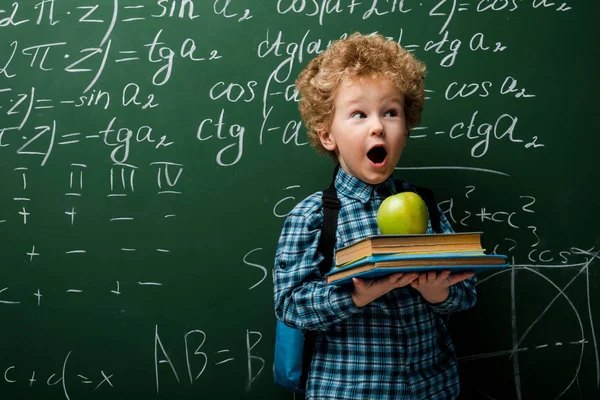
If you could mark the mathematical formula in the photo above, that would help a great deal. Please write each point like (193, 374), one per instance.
(127, 127)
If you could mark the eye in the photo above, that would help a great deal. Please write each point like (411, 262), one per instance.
(391, 113)
(358, 115)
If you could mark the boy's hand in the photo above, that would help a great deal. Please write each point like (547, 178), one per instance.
(367, 290)
(434, 286)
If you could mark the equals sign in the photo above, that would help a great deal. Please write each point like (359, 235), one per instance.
(418, 128)
(411, 47)
(69, 135)
(226, 360)
(43, 101)
(428, 91)
(127, 58)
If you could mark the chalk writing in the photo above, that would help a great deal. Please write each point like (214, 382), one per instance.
(150, 152)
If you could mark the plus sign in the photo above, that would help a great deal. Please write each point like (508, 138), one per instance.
(72, 214)
(24, 213)
(38, 295)
(32, 254)
(32, 379)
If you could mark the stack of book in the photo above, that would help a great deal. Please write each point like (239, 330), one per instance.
(380, 255)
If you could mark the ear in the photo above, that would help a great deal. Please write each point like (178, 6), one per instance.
(327, 140)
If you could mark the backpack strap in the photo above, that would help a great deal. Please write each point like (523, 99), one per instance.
(429, 199)
(331, 207)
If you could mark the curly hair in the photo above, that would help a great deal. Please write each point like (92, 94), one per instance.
(357, 56)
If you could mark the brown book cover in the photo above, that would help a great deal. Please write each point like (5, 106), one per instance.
(427, 243)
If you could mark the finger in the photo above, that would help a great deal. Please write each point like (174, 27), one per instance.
(358, 283)
(423, 278)
(431, 275)
(394, 278)
(415, 283)
(407, 279)
(460, 276)
(443, 275)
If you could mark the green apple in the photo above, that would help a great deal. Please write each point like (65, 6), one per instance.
(403, 213)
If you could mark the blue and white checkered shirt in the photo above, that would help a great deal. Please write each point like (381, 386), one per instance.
(398, 346)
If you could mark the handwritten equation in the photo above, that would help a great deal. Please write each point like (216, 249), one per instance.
(198, 357)
(164, 50)
(138, 141)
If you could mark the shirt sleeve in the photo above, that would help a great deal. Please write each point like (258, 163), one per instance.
(302, 298)
(462, 295)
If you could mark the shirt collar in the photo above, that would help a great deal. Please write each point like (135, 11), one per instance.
(353, 187)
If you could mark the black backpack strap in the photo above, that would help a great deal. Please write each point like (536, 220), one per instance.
(331, 207)
(429, 199)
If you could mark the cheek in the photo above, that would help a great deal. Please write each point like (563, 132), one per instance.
(359, 147)
(400, 145)
(350, 148)
(352, 140)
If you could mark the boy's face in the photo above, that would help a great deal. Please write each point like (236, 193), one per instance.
(368, 131)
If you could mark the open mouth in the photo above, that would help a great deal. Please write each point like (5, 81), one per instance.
(377, 155)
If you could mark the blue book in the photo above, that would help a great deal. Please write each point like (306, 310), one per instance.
(385, 264)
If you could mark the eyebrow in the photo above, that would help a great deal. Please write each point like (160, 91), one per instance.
(393, 98)
(352, 102)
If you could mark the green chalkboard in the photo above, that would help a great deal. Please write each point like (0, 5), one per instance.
(150, 150)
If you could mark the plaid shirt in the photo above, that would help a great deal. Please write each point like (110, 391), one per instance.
(398, 346)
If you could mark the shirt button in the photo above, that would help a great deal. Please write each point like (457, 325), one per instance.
(282, 265)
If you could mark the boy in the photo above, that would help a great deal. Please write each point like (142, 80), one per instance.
(384, 338)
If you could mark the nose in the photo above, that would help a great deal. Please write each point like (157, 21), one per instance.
(376, 127)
